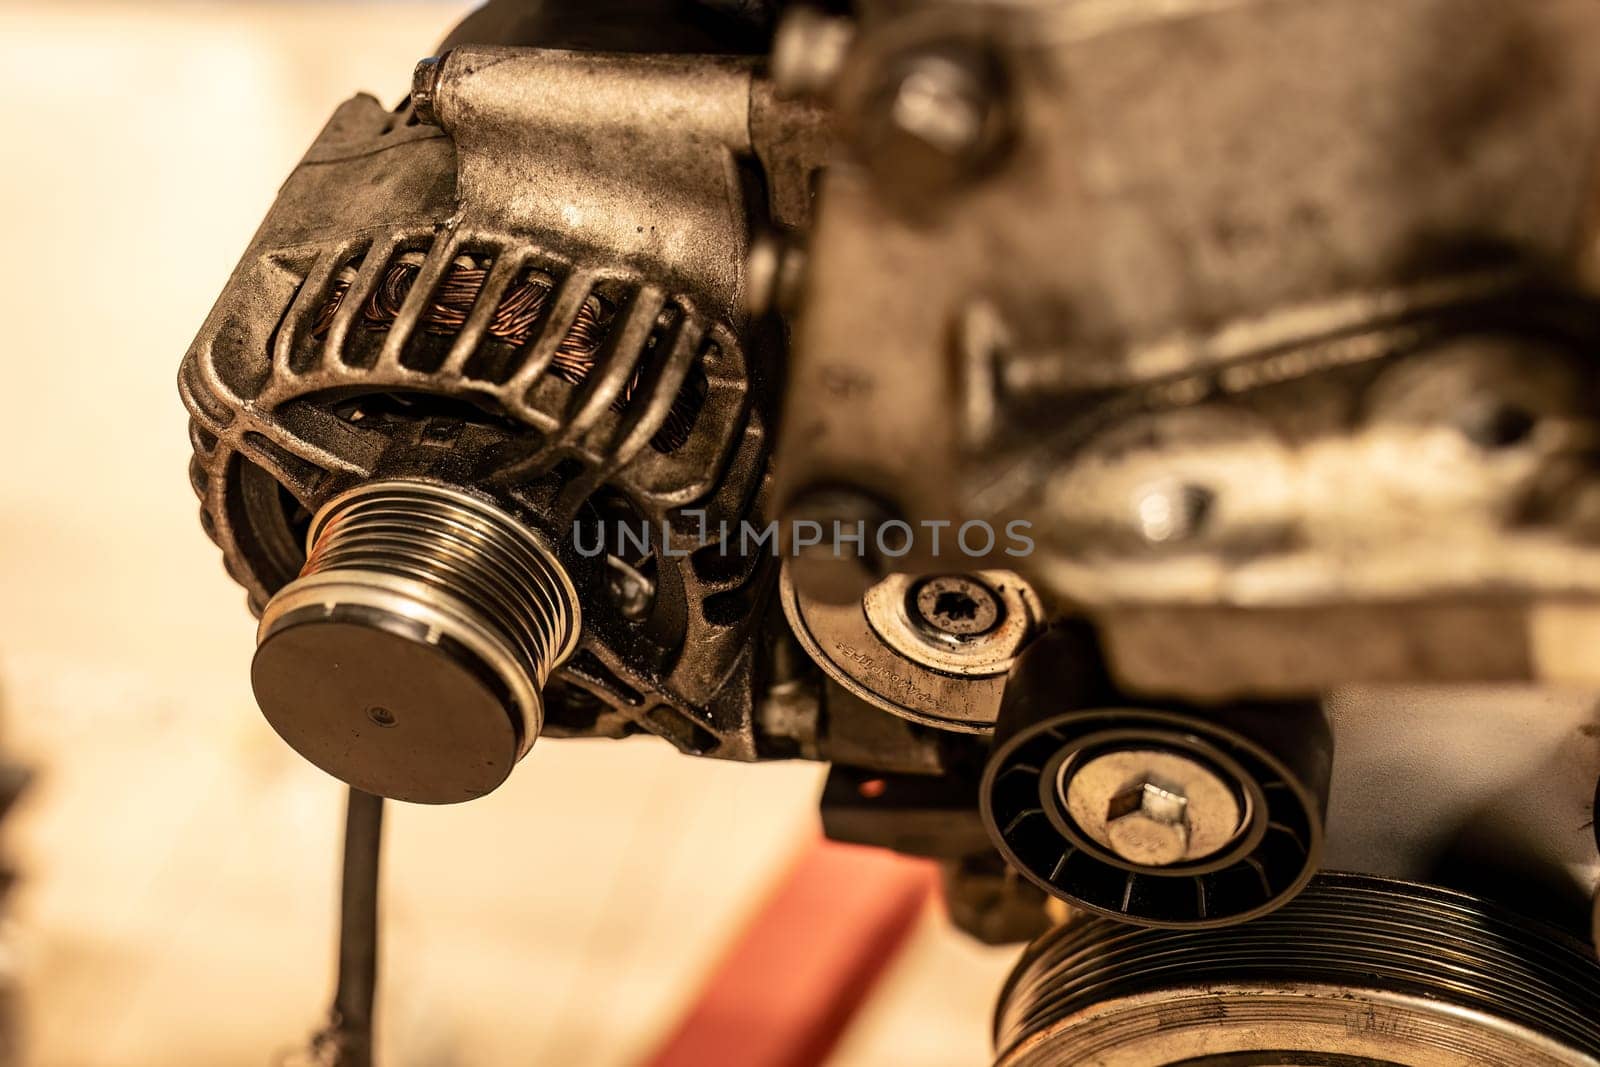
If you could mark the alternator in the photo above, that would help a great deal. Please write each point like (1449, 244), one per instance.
(420, 381)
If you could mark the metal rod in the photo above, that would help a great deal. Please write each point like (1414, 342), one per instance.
(347, 1039)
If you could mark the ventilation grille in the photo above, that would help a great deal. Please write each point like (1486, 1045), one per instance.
(554, 345)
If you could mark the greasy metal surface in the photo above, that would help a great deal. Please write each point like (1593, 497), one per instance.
(1489, 790)
(967, 625)
(633, 160)
(1275, 319)
(163, 783)
(1259, 866)
(1355, 972)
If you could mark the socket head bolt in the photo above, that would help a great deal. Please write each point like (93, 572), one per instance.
(955, 607)
(1151, 807)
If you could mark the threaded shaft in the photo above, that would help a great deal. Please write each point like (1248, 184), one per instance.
(425, 597)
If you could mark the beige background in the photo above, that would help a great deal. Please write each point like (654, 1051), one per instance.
(178, 861)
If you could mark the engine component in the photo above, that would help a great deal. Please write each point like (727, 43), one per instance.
(933, 650)
(1355, 972)
(1296, 391)
(1194, 817)
(1153, 817)
(409, 657)
(1488, 790)
(573, 357)
(1273, 321)
(1152, 807)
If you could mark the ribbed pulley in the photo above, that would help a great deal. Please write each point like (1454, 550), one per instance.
(409, 656)
(1353, 972)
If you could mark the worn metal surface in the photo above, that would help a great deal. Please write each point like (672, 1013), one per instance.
(633, 160)
(876, 649)
(1275, 319)
(1151, 807)
(1489, 790)
(1061, 717)
(627, 396)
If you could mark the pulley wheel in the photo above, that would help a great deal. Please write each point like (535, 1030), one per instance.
(1354, 972)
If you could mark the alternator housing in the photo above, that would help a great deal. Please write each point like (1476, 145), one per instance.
(369, 332)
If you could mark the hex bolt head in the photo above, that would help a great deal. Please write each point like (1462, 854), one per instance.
(808, 52)
(933, 120)
(1153, 807)
(1148, 825)
(774, 268)
(1172, 511)
(425, 89)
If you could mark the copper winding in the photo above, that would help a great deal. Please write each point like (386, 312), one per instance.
(514, 322)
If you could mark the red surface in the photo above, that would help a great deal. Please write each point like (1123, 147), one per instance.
(794, 977)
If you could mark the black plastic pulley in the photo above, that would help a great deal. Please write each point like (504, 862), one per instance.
(1170, 816)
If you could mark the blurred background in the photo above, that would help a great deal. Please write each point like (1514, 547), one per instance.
(177, 862)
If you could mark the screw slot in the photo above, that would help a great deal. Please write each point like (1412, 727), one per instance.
(382, 716)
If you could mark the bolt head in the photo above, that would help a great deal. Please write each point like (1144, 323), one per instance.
(425, 88)
(1148, 825)
(932, 121)
(774, 267)
(956, 607)
(1172, 511)
(761, 265)
(808, 52)
(630, 592)
(1151, 806)
(940, 105)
